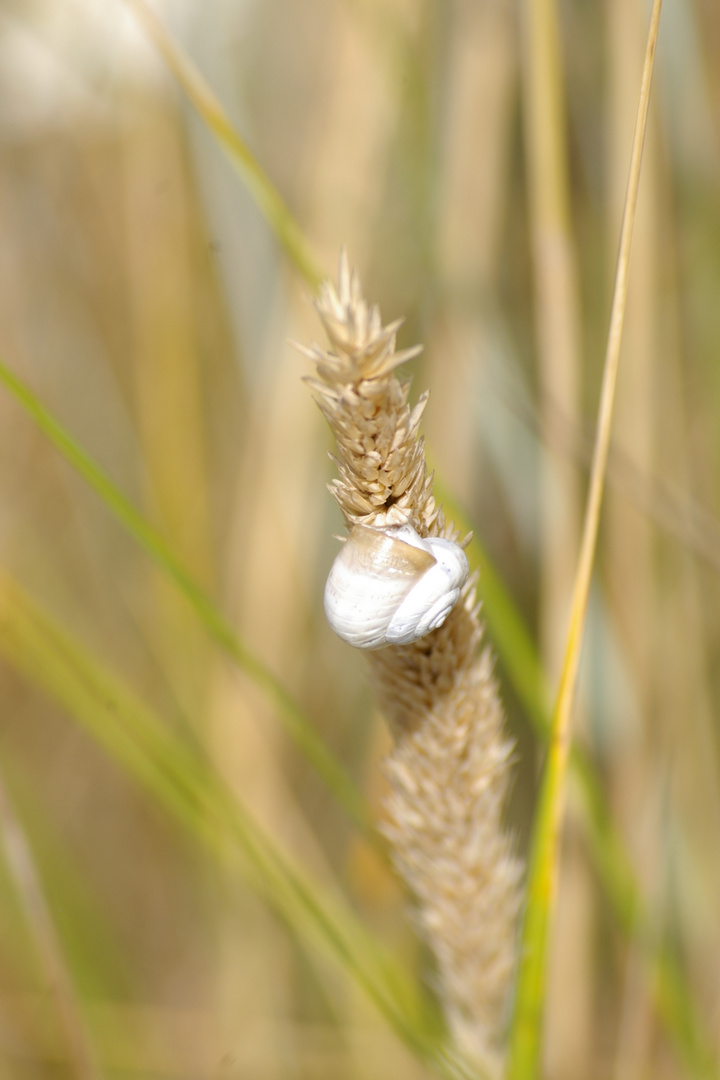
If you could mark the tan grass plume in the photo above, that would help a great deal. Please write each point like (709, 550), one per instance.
(449, 766)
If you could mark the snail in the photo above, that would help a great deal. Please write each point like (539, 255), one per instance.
(388, 586)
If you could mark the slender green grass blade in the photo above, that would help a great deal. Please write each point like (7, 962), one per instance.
(526, 1027)
(297, 725)
(271, 204)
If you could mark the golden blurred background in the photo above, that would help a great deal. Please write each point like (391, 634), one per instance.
(145, 300)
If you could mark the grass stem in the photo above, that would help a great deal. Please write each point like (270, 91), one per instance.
(266, 195)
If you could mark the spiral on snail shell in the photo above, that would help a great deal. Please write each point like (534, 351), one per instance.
(389, 586)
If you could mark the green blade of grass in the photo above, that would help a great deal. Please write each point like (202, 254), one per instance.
(187, 786)
(297, 725)
(268, 199)
(527, 1020)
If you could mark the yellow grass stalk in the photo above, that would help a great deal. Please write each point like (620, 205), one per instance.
(266, 196)
(631, 578)
(449, 765)
(529, 1001)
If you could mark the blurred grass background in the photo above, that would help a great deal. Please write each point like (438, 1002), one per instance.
(147, 303)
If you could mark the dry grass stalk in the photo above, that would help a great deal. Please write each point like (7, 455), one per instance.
(449, 766)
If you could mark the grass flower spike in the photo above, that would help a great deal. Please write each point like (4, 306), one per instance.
(449, 765)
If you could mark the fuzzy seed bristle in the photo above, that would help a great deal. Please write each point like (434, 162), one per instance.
(450, 764)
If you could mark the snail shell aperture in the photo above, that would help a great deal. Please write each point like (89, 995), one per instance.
(389, 586)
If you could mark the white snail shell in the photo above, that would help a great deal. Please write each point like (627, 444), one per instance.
(390, 587)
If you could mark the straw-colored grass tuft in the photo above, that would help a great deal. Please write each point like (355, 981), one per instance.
(449, 765)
